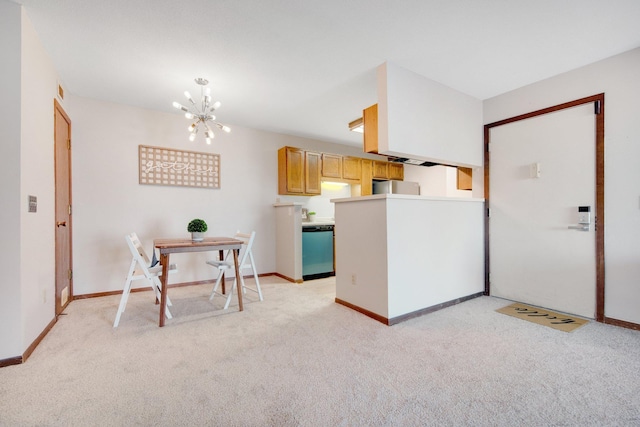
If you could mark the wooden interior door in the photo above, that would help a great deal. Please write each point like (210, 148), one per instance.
(64, 270)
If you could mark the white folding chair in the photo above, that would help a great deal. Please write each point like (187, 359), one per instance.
(141, 269)
(245, 260)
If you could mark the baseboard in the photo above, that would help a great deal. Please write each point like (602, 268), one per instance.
(395, 320)
(282, 276)
(21, 359)
(11, 361)
(172, 285)
(364, 311)
(621, 323)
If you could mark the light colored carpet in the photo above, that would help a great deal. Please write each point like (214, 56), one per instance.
(299, 359)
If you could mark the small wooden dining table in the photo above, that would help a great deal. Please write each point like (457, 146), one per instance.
(174, 246)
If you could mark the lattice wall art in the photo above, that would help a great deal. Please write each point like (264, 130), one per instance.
(164, 166)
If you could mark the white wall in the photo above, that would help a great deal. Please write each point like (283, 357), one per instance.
(10, 295)
(617, 77)
(401, 254)
(444, 260)
(39, 88)
(109, 202)
(27, 257)
(422, 119)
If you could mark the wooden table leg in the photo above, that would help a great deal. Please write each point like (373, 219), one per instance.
(221, 258)
(238, 281)
(164, 280)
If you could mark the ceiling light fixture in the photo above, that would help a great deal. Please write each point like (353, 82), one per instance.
(201, 114)
(357, 125)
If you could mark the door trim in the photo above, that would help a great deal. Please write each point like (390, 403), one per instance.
(58, 108)
(598, 101)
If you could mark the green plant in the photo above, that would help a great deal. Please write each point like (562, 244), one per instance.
(311, 213)
(197, 226)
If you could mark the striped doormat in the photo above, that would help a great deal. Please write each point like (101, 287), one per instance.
(540, 316)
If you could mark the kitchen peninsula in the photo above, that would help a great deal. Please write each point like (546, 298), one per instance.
(399, 256)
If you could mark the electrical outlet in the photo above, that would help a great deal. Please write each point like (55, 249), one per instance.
(353, 279)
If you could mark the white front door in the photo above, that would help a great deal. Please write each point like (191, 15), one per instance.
(542, 169)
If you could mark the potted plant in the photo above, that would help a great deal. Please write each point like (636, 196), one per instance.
(197, 227)
(312, 216)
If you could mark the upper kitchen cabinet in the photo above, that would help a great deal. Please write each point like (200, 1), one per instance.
(395, 171)
(464, 178)
(370, 121)
(366, 186)
(331, 166)
(312, 162)
(387, 170)
(380, 170)
(418, 118)
(298, 172)
(341, 167)
(351, 168)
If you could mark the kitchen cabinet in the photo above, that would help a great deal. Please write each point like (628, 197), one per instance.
(396, 171)
(341, 167)
(298, 172)
(380, 170)
(388, 170)
(351, 168)
(312, 163)
(370, 120)
(464, 178)
(331, 165)
(366, 184)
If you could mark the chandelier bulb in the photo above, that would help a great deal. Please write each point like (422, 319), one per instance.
(201, 113)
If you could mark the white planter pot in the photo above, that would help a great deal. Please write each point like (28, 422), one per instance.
(197, 236)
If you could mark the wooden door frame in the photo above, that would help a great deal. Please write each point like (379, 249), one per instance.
(58, 107)
(598, 101)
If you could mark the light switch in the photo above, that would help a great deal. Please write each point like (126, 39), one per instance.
(33, 204)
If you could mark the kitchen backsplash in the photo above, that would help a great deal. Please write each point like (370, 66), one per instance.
(321, 204)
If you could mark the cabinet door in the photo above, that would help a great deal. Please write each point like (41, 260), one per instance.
(380, 170)
(293, 171)
(351, 168)
(366, 185)
(370, 119)
(396, 171)
(465, 178)
(312, 172)
(331, 165)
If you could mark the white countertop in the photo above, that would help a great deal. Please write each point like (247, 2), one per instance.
(407, 197)
(319, 221)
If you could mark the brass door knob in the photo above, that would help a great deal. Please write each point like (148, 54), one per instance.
(61, 223)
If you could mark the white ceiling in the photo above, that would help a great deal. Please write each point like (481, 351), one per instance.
(307, 68)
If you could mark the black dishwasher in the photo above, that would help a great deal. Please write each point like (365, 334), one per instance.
(317, 251)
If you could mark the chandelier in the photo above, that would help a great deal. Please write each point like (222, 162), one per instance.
(201, 113)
